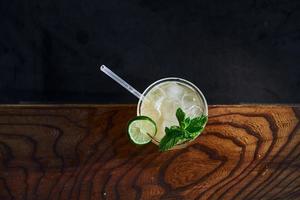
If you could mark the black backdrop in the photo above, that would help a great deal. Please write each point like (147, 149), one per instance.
(234, 51)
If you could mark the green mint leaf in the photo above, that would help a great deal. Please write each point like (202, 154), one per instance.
(187, 122)
(197, 124)
(171, 138)
(168, 142)
(188, 129)
(180, 116)
(167, 131)
(171, 130)
(190, 136)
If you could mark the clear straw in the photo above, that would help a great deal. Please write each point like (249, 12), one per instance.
(119, 80)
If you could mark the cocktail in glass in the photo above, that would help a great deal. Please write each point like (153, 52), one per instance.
(160, 107)
(163, 97)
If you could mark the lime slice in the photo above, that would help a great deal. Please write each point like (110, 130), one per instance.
(141, 129)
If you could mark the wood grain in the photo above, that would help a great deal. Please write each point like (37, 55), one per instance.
(82, 152)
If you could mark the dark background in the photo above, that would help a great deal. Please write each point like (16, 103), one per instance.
(234, 51)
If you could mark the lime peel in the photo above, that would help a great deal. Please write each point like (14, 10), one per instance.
(141, 130)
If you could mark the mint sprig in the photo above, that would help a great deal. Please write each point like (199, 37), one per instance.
(187, 130)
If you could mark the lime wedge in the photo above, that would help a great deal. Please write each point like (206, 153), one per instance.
(141, 129)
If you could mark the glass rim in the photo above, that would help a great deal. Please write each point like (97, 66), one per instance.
(181, 80)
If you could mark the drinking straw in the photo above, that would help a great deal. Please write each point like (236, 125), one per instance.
(119, 80)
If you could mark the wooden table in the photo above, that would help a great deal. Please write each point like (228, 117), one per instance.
(82, 152)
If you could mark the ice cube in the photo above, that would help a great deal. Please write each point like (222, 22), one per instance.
(168, 109)
(188, 100)
(174, 90)
(157, 96)
(194, 111)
